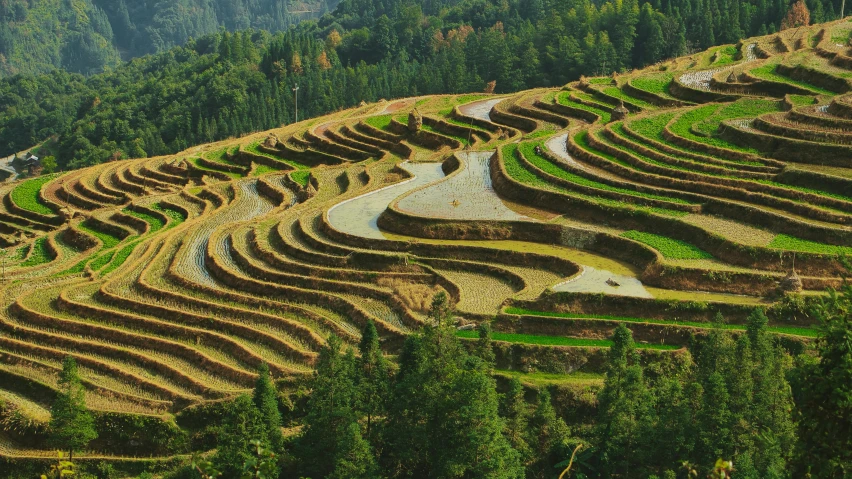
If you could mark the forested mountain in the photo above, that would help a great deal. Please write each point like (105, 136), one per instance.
(226, 84)
(89, 36)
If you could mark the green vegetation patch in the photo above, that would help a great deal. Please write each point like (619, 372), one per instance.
(262, 170)
(707, 118)
(802, 100)
(26, 194)
(744, 108)
(76, 269)
(464, 141)
(616, 92)
(557, 340)
(195, 163)
(657, 83)
(520, 174)
(668, 247)
(792, 330)
(39, 255)
(457, 122)
(154, 224)
(528, 150)
(564, 99)
(725, 55)
(120, 257)
(175, 217)
(107, 239)
(791, 243)
(380, 121)
(545, 379)
(221, 156)
(652, 127)
(301, 177)
(769, 72)
(102, 260)
(540, 134)
(255, 149)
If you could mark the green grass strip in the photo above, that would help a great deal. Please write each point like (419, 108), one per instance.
(564, 99)
(791, 243)
(616, 92)
(255, 149)
(175, 217)
(725, 55)
(769, 72)
(463, 141)
(558, 340)
(743, 108)
(25, 195)
(195, 162)
(657, 83)
(668, 247)
(154, 224)
(262, 170)
(221, 156)
(802, 100)
(102, 260)
(539, 134)
(120, 257)
(39, 255)
(301, 177)
(522, 175)
(528, 150)
(107, 239)
(380, 122)
(792, 330)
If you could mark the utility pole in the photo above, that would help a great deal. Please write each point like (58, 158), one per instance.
(842, 7)
(296, 94)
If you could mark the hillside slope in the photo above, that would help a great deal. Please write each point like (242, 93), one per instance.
(90, 36)
(692, 188)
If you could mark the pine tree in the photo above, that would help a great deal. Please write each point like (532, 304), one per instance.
(465, 433)
(443, 415)
(484, 345)
(243, 423)
(331, 439)
(649, 38)
(372, 378)
(71, 425)
(548, 438)
(823, 393)
(404, 435)
(265, 398)
(515, 415)
(623, 407)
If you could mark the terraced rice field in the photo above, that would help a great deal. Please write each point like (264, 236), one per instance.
(553, 213)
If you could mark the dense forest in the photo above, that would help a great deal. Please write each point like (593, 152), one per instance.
(90, 36)
(226, 84)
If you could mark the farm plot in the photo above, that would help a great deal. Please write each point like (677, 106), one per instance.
(359, 216)
(480, 109)
(465, 195)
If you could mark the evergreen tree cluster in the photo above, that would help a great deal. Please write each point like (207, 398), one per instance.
(229, 84)
(732, 402)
